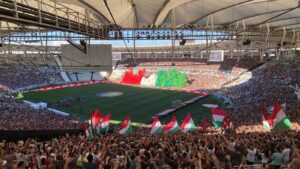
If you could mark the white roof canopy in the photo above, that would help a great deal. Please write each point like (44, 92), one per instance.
(145, 13)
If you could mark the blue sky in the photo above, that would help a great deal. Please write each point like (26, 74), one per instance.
(120, 43)
(114, 43)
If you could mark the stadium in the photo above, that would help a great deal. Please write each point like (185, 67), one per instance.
(139, 84)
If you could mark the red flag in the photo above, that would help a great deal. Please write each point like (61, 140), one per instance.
(264, 112)
(231, 118)
(225, 123)
(204, 124)
(276, 109)
(96, 117)
(84, 129)
(125, 122)
(91, 122)
(172, 126)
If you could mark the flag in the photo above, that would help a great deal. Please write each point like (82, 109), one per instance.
(87, 130)
(278, 119)
(172, 126)
(156, 127)
(95, 121)
(125, 127)
(218, 116)
(225, 123)
(266, 124)
(105, 123)
(188, 124)
(204, 124)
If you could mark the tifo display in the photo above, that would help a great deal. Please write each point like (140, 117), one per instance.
(150, 84)
(163, 78)
(131, 78)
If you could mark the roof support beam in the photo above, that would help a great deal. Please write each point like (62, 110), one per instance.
(282, 26)
(97, 13)
(252, 26)
(295, 30)
(162, 7)
(248, 17)
(227, 7)
(285, 19)
(165, 9)
(134, 13)
(265, 13)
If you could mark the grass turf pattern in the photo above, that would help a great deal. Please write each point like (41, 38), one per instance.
(141, 104)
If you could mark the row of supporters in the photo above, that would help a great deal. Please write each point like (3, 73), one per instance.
(276, 121)
(96, 126)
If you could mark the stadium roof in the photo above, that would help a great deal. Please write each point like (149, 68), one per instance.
(181, 13)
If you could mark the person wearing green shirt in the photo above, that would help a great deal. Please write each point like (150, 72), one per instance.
(90, 164)
(276, 159)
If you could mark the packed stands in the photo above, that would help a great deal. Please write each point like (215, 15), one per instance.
(202, 75)
(16, 76)
(240, 55)
(19, 116)
(141, 150)
(269, 82)
(247, 145)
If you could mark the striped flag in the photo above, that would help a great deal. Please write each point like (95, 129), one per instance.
(105, 123)
(88, 130)
(172, 126)
(278, 119)
(266, 124)
(218, 116)
(156, 127)
(188, 124)
(125, 127)
(95, 121)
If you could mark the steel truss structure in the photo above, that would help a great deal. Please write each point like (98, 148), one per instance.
(59, 20)
(61, 17)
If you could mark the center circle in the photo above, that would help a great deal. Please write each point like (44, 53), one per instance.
(109, 94)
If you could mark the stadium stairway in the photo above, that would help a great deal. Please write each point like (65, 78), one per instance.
(65, 76)
(69, 76)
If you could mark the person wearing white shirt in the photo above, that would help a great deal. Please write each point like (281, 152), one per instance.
(232, 145)
(251, 156)
(264, 159)
(286, 155)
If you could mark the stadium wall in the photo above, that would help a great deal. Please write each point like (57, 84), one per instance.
(97, 58)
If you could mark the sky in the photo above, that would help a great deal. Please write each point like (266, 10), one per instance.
(121, 43)
(114, 43)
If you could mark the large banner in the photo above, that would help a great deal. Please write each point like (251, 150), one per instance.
(216, 56)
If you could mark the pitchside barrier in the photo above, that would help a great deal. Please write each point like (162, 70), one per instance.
(13, 135)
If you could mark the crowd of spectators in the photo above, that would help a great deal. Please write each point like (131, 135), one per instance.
(141, 150)
(15, 76)
(248, 145)
(201, 76)
(19, 116)
(268, 83)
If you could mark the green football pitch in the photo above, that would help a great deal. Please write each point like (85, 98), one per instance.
(140, 104)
